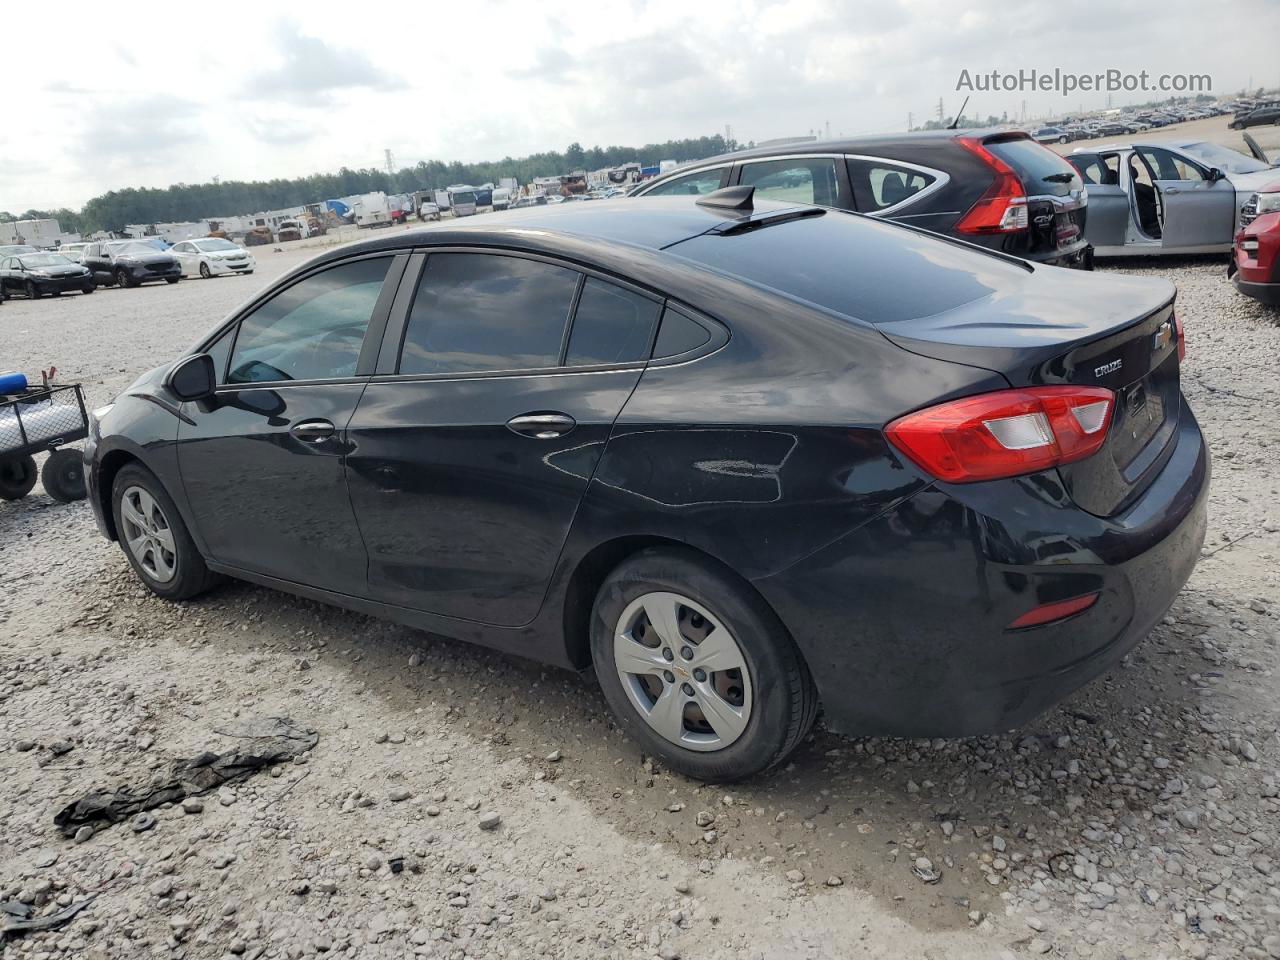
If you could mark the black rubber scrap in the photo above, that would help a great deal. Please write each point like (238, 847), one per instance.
(20, 925)
(272, 740)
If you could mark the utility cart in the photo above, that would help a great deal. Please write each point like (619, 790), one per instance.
(38, 419)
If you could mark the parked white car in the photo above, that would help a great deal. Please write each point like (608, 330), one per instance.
(1151, 197)
(212, 257)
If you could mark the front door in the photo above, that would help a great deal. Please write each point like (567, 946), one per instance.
(1195, 211)
(262, 463)
(469, 458)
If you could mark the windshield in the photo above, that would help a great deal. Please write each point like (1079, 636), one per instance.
(44, 260)
(135, 248)
(215, 243)
(1224, 158)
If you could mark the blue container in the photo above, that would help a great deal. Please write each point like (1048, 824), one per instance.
(12, 383)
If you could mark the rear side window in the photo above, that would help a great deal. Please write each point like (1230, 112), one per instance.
(475, 312)
(1103, 170)
(807, 181)
(678, 334)
(1042, 172)
(611, 325)
(693, 184)
(881, 184)
(857, 267)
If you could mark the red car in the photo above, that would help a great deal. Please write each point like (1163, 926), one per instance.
(1255, 261)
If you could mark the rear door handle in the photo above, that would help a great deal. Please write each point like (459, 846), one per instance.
(1172, 190)
(313, 431)
(542, 426)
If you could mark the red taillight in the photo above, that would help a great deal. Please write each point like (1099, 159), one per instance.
(1006, 433)
(1049, 612)
(1003, 207)
(1182, 340)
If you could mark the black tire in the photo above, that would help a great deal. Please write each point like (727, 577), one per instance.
(124, 280)
(89, 287)
(191, 577)
(17, 477)
(1062, 139)
(204, 271)
(785, 701)
(172, 279)
(63, 475)
(33, 292)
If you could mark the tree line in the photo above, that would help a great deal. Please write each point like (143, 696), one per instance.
(183, 202)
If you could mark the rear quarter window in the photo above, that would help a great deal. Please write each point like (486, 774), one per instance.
(857, 267)
(1042, 172)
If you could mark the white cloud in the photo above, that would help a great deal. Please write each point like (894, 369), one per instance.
(287, 91)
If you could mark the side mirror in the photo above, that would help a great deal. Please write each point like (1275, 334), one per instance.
(1215, 175)
(193, 378)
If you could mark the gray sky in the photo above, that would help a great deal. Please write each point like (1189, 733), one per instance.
(280, 90)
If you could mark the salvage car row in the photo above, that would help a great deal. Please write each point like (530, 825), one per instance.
(83, 267)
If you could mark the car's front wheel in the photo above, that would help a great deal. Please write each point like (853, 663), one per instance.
(154, 538)
(33, 292)
(123, 279)
(697, 667)
(204, 271)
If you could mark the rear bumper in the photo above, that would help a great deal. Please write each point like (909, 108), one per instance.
(903, 621)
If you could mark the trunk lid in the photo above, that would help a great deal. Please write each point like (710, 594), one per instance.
(1056, 197)
(1061, 327)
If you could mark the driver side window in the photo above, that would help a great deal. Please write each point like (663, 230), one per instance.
(1170, 166)
(312, 330)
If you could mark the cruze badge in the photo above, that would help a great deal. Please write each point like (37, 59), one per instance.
(1162, 337)
(1106, 368)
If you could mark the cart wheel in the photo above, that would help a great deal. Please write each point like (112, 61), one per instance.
(17, 477)
(63, 475)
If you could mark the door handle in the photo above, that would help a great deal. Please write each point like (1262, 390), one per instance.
(1172, 190)
(313, 431)
(542, 426)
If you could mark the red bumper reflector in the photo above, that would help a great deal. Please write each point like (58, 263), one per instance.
(1049, 612)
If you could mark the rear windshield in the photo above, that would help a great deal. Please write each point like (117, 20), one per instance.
(855, 266)
(1042, 172)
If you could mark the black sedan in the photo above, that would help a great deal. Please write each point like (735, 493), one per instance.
(741, 457)
(128, 263)
(996, 188)
(40, 274)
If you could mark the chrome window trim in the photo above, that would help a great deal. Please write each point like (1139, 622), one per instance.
(941, 179)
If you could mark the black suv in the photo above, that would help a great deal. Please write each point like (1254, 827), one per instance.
(1262, 113)
(127, 263)
(996, 188)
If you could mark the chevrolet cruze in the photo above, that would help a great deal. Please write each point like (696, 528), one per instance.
(747, 460)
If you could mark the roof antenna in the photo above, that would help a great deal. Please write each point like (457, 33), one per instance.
(729, 198)
(956, 119)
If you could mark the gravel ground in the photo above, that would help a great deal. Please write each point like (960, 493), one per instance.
(1137, 820)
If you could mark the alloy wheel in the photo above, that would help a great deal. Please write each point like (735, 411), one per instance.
(683, 671)
(147, 532)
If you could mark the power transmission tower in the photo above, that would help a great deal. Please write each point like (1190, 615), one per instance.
(940, 110)
(911, 121)
(391, 163)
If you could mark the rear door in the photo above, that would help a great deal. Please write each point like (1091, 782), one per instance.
(1196, 212)
(263, 462)
(691, 184)
(498, 387)
(1108, 220)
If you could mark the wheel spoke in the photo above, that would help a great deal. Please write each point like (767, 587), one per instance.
(667, 713)
(726, 720)
(633, 657)
(165, 537)
(663, 612)
(132, 515)
(717, 651)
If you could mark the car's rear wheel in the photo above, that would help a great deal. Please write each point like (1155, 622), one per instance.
(697, 668)
(154, 538)
(204, 271)
(1062, 139)
(172, 279)
(89, 287)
